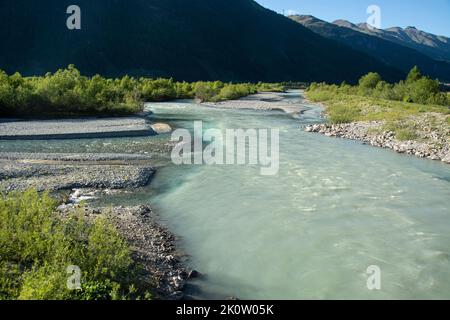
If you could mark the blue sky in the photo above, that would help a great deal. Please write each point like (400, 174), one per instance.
(431, 16)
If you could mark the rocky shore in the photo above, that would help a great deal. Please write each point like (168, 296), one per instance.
(88, 176)
(431, 143)
(153, 247)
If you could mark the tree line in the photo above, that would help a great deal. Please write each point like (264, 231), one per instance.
(66, 92)
(416, 88)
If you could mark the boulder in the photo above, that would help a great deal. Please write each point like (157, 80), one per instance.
(161, 128)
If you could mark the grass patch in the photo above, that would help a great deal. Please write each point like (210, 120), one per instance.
(406, 134)
(342, 107)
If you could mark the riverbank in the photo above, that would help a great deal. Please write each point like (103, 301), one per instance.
(430, 146)
(153, 247)
(76, 178)
(419, 130)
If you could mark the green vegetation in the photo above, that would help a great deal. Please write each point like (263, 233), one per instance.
(66, 92)
(406, 134)
(37, 245)
(373, 99)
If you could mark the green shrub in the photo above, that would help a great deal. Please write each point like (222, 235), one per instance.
(66, 92)
(270, 87)
(205, 91)
(343, 114)
(235, 91)
(37, 245)
(369, 82)
(416, 89)
(414, 75)
(424, 90)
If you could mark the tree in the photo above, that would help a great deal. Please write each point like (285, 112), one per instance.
(424, 89)
(369, 81)
(204, 91)
(414, 75)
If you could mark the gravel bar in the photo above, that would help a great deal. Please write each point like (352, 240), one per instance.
(267, 101)
(74, 157)
(80, 128)
(65, 172)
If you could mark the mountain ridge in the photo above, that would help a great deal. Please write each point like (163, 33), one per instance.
(233, 40)
(435, 46)
(390, 53)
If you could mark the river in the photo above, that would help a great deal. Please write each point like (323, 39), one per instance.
(335, 208)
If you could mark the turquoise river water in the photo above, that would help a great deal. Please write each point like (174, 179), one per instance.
(335, 208)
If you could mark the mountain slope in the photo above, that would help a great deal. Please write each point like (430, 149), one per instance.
(232, 40)
(436, 47)
(388, 52)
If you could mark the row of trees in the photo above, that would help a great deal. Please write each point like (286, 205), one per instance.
(416, 88)
(67, 92)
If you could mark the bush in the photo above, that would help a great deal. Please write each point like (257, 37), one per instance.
(343, 114)
(414, 75)
(270, 87)
(415, 89)
(235, 91)
(67, 92)
(321, 92)
(37, 245)
(424, 89)
(384, 90)
(158, 90)
(205, 91)
(369, 82)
